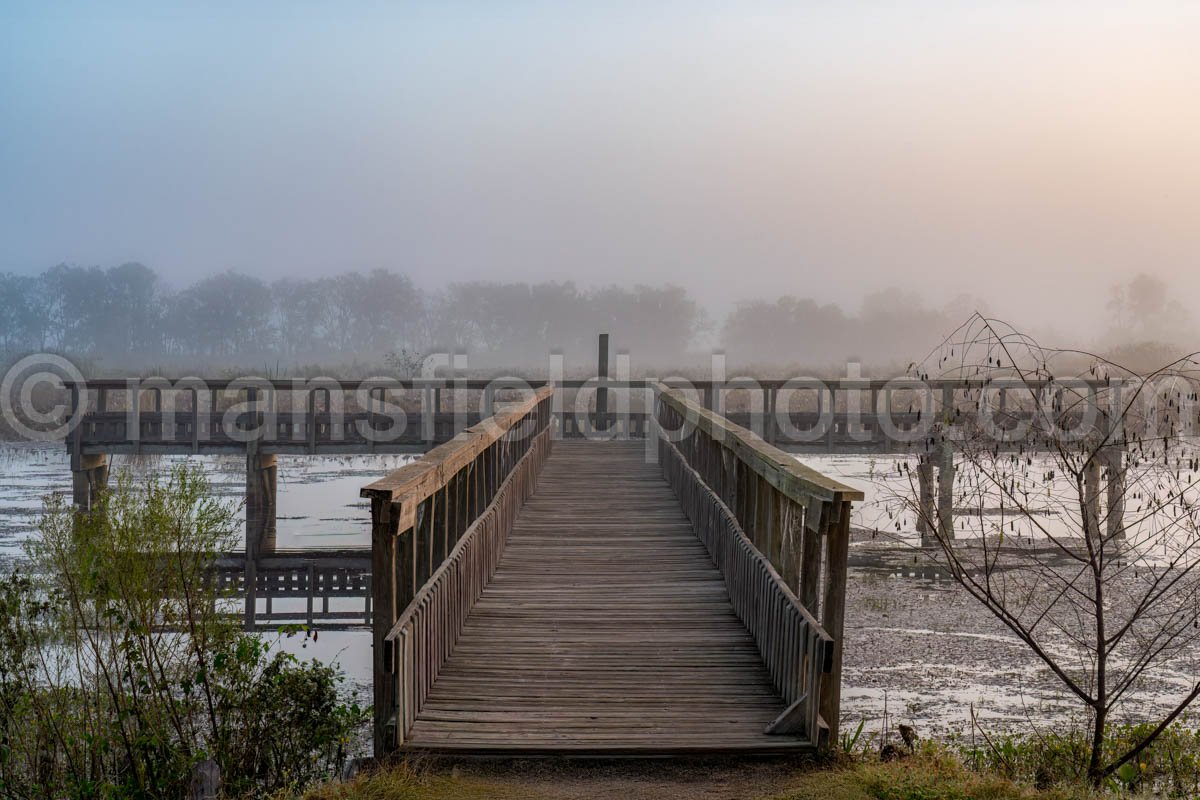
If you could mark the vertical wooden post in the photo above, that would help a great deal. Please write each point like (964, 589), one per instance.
(428, 416)
(833, 613)
(383, 617)
(89, 477)
(312, 590)
(214, 396)
(1115, 463)
(770, 426)
(926, 512)
(945, 505)
(195, 419)
(311, 421)
(946, 467)
(487, 402)
(133, 416)
(262, 483)
(602, 391)
(1091, 499)
(260, 505)
(261, 488)
(832, 428)
(809, 590)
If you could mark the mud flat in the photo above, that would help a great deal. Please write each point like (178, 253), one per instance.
(919, 646)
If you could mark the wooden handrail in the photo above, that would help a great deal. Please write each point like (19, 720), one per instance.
(796, 519)
(778, 468)
(413, 483)
(438, 529)
(863, 384)
(796, 650)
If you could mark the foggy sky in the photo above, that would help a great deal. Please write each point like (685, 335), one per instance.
(1027, 153)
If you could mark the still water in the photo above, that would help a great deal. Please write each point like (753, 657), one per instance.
(318, 507)
(917, 650)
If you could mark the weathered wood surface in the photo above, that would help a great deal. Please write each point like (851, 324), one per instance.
(736, 486)
(606, 629)
(438, 528)
(773, 465)
(798, 653)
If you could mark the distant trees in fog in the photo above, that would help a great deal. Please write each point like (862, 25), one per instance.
(891, 326)
(125, 314)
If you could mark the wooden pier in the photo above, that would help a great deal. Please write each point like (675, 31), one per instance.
(645, 571)
(606, 629)
(535, 597)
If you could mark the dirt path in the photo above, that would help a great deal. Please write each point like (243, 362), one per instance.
(620, 780)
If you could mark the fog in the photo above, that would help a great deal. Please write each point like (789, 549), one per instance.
(1024, 158)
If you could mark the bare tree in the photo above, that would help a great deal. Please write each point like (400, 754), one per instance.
(1076, 483)
(407, 362)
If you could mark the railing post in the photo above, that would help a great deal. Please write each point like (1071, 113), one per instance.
(927, 518)
(133, 415)
(770, 425)
(945, 489)
(89, 477)
(195, 419)
(602, 391)
(383, 617)
(833, 613)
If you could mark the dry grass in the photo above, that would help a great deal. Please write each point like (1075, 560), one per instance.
(929, 776)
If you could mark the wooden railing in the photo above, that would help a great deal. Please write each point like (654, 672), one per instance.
(439, 527)
(314, 588)
(324, 416)
(779, 532)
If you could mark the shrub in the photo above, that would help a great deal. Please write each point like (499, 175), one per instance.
(121, 670)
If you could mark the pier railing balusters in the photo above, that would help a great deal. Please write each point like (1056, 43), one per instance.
(749, 502)
(452, 511)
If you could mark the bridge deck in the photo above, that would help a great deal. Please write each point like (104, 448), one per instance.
(605, 630)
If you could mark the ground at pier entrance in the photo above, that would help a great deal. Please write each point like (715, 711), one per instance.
(912, 779)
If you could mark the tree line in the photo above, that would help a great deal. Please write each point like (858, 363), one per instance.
(127, 315)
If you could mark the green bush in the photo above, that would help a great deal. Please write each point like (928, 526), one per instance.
(121, 670)
(1169, 767)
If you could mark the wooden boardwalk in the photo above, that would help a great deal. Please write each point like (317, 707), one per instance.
(606, 629)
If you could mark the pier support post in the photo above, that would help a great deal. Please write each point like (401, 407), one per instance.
(89, 477)
(387, 600)
(926, 511)
(1091, 497)
(945, 505)
(261, 486)
(833, 609)
(1114, 463)
(771, 424)
(602, 391)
